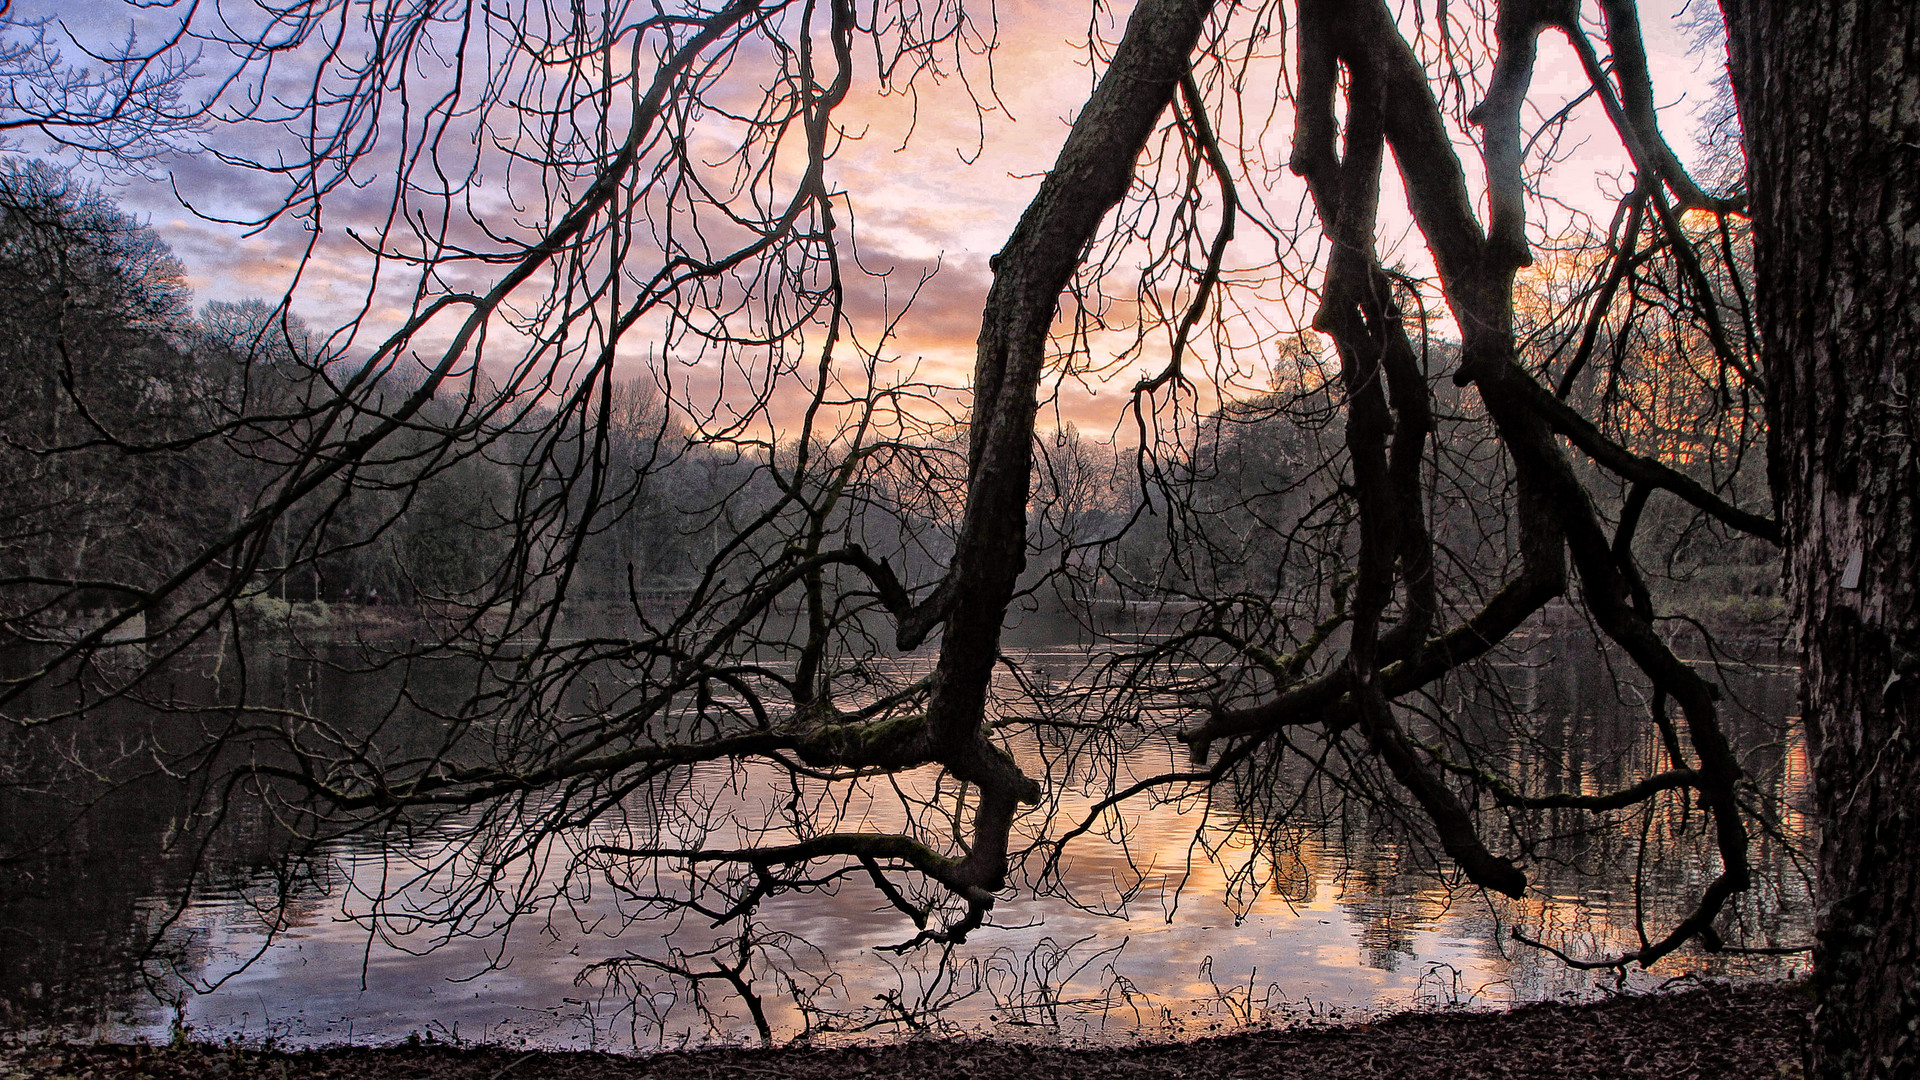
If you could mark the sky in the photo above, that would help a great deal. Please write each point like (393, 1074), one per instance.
(933, 181)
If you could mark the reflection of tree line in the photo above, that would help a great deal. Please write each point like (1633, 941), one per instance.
(92, 907)
(115, 842)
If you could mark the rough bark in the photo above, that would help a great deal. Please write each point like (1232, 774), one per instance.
(1830, 96)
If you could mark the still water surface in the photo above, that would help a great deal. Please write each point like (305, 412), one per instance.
(1344, 918)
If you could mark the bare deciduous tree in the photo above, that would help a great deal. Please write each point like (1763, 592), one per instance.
(1441, 451)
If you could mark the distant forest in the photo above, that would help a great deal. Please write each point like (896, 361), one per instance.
(137, 426)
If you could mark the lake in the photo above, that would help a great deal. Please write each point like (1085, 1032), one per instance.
(1178, 918)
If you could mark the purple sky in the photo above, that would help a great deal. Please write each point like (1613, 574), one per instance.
(948, 197)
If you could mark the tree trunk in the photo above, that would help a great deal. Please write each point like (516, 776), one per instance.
(1830, 96)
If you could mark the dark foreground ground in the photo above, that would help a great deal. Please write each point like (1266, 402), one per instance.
(1747, 1033)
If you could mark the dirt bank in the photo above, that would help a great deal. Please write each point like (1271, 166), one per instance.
(1748, 1033)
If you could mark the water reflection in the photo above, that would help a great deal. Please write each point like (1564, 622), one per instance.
(127, 918)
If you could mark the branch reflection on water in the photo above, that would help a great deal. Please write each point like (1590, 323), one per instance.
(1277, 899)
